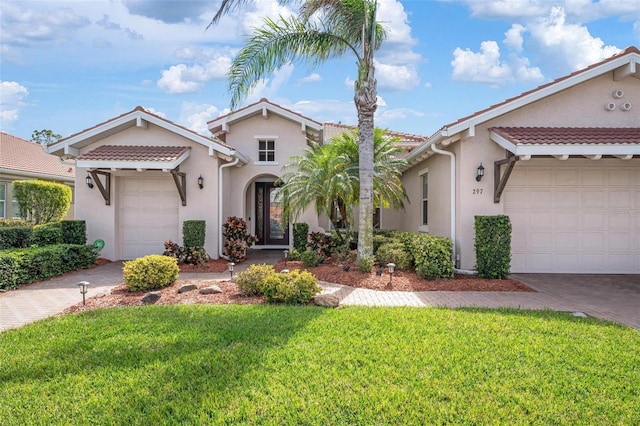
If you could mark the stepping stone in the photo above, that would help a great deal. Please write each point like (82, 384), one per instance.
(151, 297)
(326, 300)
(214, 289)
(187, 287)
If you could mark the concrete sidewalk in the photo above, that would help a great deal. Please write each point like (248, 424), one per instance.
(612, 297)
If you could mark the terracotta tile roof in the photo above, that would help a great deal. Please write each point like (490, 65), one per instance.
(570, 135)
(26, 156)
(407, 140)
(135, 153)
(630, 49)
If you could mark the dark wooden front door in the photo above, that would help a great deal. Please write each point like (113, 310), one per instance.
(269, 227)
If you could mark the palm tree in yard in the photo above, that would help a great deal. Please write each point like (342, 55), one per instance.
(327, 176)
(344, 26)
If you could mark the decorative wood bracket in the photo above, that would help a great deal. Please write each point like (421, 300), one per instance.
(180, 178)
(500, 181)
(105, 189)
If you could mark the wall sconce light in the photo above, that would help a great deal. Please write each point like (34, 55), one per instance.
(89, 181)
(200, 182)
(286, 256)
(480, 173)
(230, 265)
(392, 268)
(83, 290)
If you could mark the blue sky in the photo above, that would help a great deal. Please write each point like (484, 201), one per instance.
(68, 65)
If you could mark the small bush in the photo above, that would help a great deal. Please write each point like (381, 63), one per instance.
(428, 270)
(365, 264)
(150, 272)
(294, 254)
(311, 259)
(300, 234)
(343, 252)
(15, 237)
(293, 287)
(237, 238)
(193, 233)
(47, 235)
(493, 246)
(395, 252)
(74, 231)
(42, 201)
(186, 255)
(251, 280)
(321, 243)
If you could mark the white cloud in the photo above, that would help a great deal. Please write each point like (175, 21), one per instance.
(182, 78)
(390, 117)
(312, 78)
(155, 112)
(482, 67)
(568, 45)
(325, 110)
(195, 116)
(12, 96)
(396, 77)
(269, 87)
(513, 37)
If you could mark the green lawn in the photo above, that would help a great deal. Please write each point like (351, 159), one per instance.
(307, 365)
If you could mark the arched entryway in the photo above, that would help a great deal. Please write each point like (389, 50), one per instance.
(267, 214)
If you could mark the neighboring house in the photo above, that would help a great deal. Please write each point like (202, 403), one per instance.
(25, 160)
(562, 160)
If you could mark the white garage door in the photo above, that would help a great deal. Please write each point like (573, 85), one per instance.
(148, 215)
(581, 219)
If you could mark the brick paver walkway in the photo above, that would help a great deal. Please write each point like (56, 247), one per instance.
(612, 297)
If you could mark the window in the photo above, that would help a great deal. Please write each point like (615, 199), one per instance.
(425, 198)
(3, 200)
(266, 150)
(376, 218)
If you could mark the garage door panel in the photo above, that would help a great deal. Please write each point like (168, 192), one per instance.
(586, 220)
(148, 215)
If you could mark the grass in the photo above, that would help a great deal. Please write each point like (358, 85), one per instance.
(306, 365)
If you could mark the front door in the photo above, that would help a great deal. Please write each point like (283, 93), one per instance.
(269, 227)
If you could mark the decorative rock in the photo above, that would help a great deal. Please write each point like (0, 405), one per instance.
(326, 300)
(104, 293)
(151, 297)
(187, 287)
(214, 289)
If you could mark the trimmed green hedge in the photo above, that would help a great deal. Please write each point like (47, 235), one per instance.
(74, 232)
(18, 267)
(47, 234)
(493, 246)
(15, 237)
(300, 235)
(430, 253)
(193, 233)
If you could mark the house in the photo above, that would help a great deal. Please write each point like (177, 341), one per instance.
(25, 160)
(565, 159)
(562, 161)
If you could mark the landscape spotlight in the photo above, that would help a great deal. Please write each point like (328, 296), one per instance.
(83, 290)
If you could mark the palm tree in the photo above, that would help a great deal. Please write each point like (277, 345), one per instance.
(327, 176)
(347, 26)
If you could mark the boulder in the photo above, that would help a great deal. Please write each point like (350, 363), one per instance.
(326, 300)
(213, 289)
(151, 297)
(187, 287)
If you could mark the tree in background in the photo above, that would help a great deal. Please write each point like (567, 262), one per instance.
(42, 202)
(45, 137)
(343, 26)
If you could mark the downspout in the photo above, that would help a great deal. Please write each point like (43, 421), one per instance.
(452, 156)
(224, 166)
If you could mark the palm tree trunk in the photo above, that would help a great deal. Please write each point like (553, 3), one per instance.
(365, 100)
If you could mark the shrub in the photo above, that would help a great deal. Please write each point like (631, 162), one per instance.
(150, 272)
(365, 264)
(321, 243)
(41, 201)
(25, 266)
(251, 280)
(47, 235)
(193, 233)
(186, 255)
(311, 259)
(17, 237)
(237, 239)
(300, 234)
(293, 287)
(424, 247)
(395, 252)
(493, 246)
(74, 232)
(379, 240)
(13, 223)
(342, 253)
(428, 270)
(294, 254)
